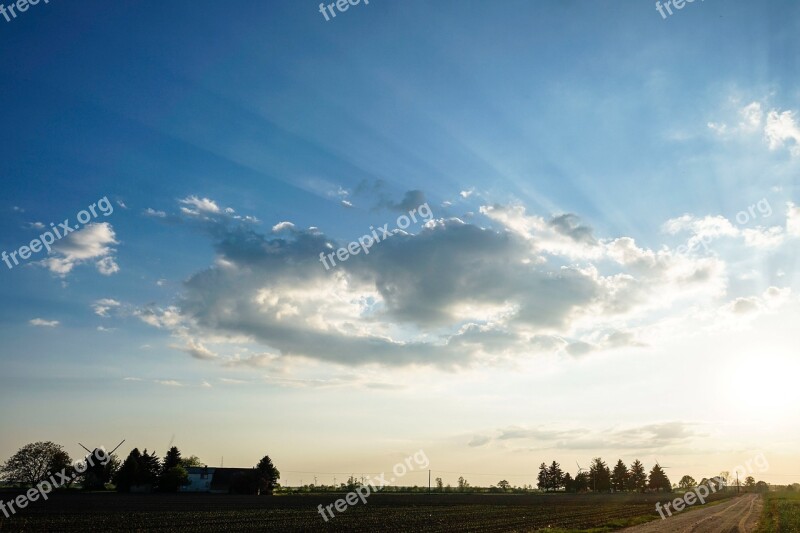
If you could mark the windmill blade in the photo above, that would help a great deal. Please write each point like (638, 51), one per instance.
(85, 448)
(117, 448)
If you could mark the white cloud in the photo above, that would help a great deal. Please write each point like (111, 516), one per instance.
(42, 323)
(168, 382)
(782, 130)
(453, 294)
(197, 206)
(103, 306)
(107, 266)
(709, 228)
(282, 226)
(92, 242)
(150, 212)
(197, 350)
(792, 220)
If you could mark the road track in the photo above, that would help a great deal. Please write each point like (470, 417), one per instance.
(737, 515)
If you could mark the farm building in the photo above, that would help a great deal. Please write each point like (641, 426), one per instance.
(214, 480)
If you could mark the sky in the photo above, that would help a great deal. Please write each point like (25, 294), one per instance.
(584, 215)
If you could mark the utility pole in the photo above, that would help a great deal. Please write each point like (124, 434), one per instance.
(429, 481)
(737, 482)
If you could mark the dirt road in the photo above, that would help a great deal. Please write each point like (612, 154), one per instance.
(738, 515)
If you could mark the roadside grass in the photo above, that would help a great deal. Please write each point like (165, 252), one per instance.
(781, 513)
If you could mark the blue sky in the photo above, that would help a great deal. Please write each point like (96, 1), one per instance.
(566, 151)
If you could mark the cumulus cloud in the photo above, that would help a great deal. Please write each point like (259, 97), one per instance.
(752, 306)
(782, 130)
(194, 206)
(704, 230)
(450, 295)
(91, 243)
(282, 226)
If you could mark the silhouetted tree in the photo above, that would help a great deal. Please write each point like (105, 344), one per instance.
(555, 476)
(569, 483)
(503, 485)
(619, 476)
(687, 482)
(750, 483)
(659, 480)
(637, 478)
(463, 484)
(98, 474)
(266, 476)
(542, 480)
(599, 476)
(34, 462)
(192, 462)
(169, 479)
(173, 479)
(439, 484)
(581, 482)
(128, 472)
(151, 467)
(138, 469)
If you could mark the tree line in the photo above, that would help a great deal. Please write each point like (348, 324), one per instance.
(38, 461)
(601, 478)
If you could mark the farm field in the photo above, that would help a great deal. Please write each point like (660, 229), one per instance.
(384, 512)
(781, 512)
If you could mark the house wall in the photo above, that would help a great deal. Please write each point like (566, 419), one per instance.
(199, 480)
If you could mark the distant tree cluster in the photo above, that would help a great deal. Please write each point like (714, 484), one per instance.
(600, 478)
(146, 472)
(140, 471)
(38, 461)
